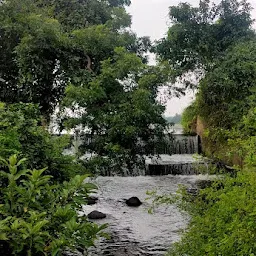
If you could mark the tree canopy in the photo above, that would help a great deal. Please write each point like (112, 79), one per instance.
(44, 44)
(119, 109)
(200, 35)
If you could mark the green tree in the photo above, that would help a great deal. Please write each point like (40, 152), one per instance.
(45, 44)
(21, 133)
(119, 109)
(189, 118)
(200, 35)
(223, 94)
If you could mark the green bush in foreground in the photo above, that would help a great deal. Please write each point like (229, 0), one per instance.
(37, 218)
(223, 218)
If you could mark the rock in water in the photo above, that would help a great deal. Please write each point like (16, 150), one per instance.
(94, 215)
(133, 201)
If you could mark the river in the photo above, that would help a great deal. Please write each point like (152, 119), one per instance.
(134, 231)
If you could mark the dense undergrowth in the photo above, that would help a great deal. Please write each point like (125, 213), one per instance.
(40, 218)
(222, 218)
(39, 205)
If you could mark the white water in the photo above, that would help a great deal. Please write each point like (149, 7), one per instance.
(133, 230)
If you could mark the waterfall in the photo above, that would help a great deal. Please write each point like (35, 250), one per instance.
(173, 155)
(177, 144)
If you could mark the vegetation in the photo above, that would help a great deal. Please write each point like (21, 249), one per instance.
(42, 219)
(120, 110)
(200, 35)
(76, 57)
(174, 119)
(222, 217)
(21, 133)
(225, 66)
(80, 59)
(189, 118)
(47, 44)
(209, 42)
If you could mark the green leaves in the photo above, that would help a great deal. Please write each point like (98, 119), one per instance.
(222, 218)
(201, 35)
(40, 219)
(120, 108)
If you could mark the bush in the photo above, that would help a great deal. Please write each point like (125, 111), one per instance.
(37, 218)
(188, 119)
(222, 218)
(21, 133)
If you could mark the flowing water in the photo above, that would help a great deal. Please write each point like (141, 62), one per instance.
(134, 231)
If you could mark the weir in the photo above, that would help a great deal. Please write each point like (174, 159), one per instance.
(178, 144)
(173, 155)
(133, 231)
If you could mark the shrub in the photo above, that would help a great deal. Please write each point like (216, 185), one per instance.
(37, 218)
(21, 133)
(222, 217)
(188, 119)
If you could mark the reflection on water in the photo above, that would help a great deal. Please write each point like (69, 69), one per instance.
(133, 230)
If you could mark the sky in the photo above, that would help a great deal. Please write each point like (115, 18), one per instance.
(150, 18)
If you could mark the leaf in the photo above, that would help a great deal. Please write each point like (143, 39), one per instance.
(3, 237)
(21, 161)
(13, 160)
(55, 251)
(20, 173)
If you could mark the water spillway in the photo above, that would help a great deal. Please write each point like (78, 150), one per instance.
(174, 156)
(133, 231)
(178, 144)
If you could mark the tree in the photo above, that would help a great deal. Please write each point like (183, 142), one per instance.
(22, 134)
(44, 44)
(223, 97)
(201, 35)
(119, 109)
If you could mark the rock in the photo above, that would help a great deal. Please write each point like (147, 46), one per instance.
(94, 215)
(192, 191)
(202, 184)
(92, 200)
(133, 201)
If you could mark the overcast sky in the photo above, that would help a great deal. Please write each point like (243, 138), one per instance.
(150, 18)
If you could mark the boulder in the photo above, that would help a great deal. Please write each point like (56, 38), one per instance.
(133, 201)
(95, 215)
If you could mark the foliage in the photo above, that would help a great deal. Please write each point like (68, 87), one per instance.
(200, 35)
(225, 102)
(222, 218)
(37, 218)
(44, 44)
(223, 93)
(21, 133)
(188, 119)
(119, 108)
